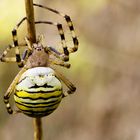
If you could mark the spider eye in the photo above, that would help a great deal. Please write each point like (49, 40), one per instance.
(38, 49)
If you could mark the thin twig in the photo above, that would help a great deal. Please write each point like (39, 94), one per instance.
(32, 37)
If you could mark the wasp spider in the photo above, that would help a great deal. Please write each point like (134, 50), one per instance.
(37, 87)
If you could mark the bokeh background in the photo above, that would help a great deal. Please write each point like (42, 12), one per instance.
(105, 70)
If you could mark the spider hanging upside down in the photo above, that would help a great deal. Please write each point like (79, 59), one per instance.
(37, 87)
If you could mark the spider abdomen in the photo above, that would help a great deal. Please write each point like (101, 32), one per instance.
(38, 92)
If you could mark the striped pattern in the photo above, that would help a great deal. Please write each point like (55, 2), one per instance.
(15, 40)
(74, 38)
(7, 59)
(61, 33)
(69, 23)
(38, 92)
(6, 101)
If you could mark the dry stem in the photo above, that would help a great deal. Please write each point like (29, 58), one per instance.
(32, 37)
(37, 129)
(30, 20)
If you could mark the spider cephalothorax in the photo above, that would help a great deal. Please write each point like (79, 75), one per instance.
(38, 56)
(37, 87)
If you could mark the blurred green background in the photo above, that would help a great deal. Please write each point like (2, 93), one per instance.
(105, 70)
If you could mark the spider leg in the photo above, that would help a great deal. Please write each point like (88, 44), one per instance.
(70, 25)
(71, 87)
(11, 90)
(60, 63)
(74, 37)
(64, 56)
(54, 52)
(15, 41)
(3, 57)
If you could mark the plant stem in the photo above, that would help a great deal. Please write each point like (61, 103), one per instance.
(32, 38)
(30, 20)
(37, 129)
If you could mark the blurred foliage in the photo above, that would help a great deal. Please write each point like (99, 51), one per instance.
(11, 11)
(105, 71)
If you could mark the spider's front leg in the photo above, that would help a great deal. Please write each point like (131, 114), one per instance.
(65, 55)
(11, 90)
(67, 18)
(16, 44)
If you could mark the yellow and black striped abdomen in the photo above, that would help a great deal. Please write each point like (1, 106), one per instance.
(38, 92)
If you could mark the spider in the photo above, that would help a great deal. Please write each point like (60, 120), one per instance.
(37, 87)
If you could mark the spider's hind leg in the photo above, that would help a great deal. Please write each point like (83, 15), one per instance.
(11, 90)
(71, 87)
